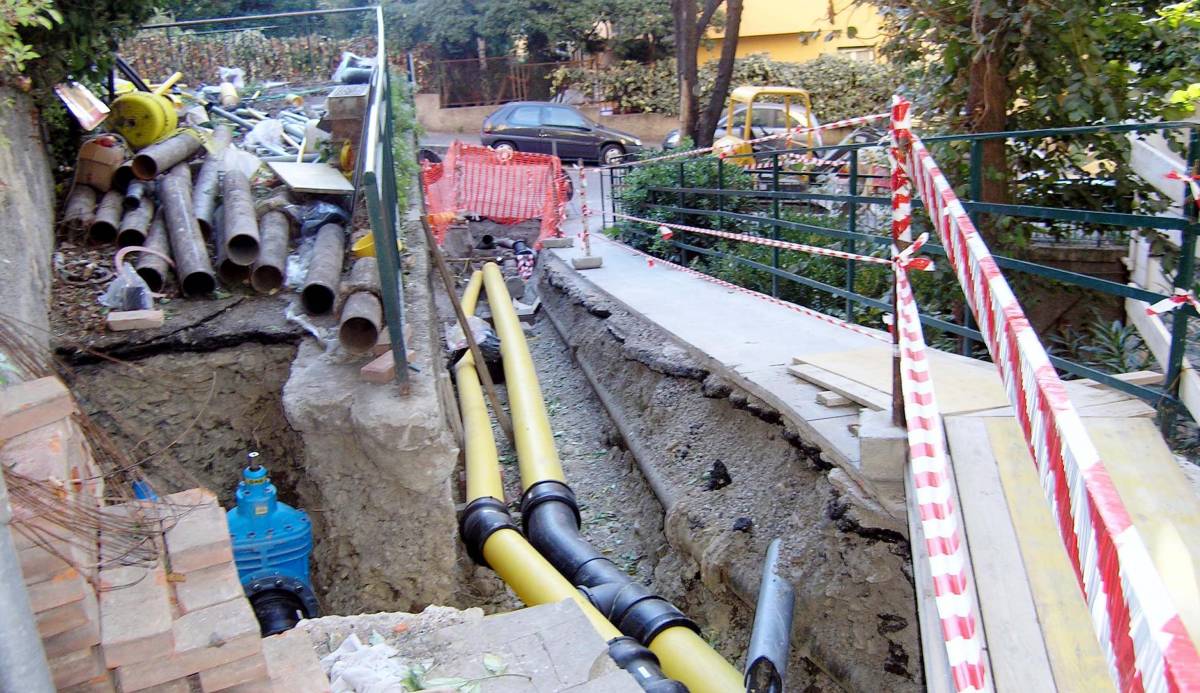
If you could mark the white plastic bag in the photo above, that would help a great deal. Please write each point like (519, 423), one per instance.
(128, 291)
(234, 75)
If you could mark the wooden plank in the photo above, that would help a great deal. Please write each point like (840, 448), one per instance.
(1015, 642)
(1162, 503)
(1071, 646)
(831, 399)
(850, 389)
(1123, 409)
(312, 177)
(933, 649)
(1133, 378)
(962, 385)
(1158, 341)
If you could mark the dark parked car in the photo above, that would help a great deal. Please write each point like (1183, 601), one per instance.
(551, 128)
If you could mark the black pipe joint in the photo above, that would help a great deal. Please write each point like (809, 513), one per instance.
(549, 490)
(635, 610)
(480, 519)
(642, 665)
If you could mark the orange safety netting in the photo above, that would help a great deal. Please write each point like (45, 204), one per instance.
(506, 188)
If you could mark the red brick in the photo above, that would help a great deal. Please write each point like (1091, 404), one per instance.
(176, 686)
(33, 404)
(200, 537)
(78, 638)
(39, 564)
(64, 587)
(121, 320)
(135, 615)
(208, 586)
(380, 371)
(40, 453)
(97, 684)
(204, 639)
(76, 667)
(63, 618)
(293, 663)
(240, 671)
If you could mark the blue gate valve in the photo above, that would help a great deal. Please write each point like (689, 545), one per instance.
(272, 542)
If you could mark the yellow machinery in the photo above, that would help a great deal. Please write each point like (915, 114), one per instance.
(735, 145)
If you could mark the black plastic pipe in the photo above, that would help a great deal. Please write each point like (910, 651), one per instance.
(551, 517)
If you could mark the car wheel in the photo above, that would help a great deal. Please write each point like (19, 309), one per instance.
(611, 154)
(505, 148)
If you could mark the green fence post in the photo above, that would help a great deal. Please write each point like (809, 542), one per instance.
(720, 198)
(775, 226)
(852, 226)
(974, 193)
(1184, 279)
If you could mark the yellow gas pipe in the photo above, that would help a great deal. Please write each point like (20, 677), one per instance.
(508, 553)
(684, 655)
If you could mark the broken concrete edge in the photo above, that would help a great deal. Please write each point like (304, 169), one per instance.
(828, 451)
(852, 510)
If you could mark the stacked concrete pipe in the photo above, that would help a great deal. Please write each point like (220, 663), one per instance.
(362, 312)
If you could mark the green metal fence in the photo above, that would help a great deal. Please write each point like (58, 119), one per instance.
(776, 186)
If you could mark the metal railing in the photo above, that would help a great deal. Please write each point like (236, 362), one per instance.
(776, 187)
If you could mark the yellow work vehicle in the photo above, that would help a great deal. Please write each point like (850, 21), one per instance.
(750, 118)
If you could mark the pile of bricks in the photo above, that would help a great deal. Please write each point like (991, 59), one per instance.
(180, 624)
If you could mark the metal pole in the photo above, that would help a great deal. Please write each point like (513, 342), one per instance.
(852, 225)
(976, 192)
(22, 660)
(775, 226)
(771, 637)
(1184, 278)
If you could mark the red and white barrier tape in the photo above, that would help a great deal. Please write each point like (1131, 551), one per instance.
(849, 122)
(756, 240)
(652, 262)
(941, 522)
(900, 132)
(1192, 180)
(1180, 298)
(1138, 626)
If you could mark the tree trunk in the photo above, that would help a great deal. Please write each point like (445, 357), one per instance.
(481, 49)
(684, 15)
(987, 109)
(716, 100)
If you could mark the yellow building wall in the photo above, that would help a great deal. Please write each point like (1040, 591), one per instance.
(775, 27)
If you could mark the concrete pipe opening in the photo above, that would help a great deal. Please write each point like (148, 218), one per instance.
(266, 278)
(317, 299)
(242, 250)
(199, 284)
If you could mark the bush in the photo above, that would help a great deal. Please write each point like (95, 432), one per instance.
(840, 87)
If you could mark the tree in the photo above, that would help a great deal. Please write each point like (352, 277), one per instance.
(691, 20)
(989, 65)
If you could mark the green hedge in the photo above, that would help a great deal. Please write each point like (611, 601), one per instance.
(840, 87)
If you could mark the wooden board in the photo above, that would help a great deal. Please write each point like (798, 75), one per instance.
(962, 385)
(1072, 650)
(311, 177)
(855, 391)
(933, 649)
(1015, 642)
(1162, 503)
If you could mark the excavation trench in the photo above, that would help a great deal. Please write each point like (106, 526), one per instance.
(643, 431)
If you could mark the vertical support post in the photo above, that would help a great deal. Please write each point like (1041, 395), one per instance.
(975, 193)
(720, 197)
(603, 204)
(852, 226)
(22, 659)
(380, 186)
(898, 155)
(1185, 276)
(775, 226)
